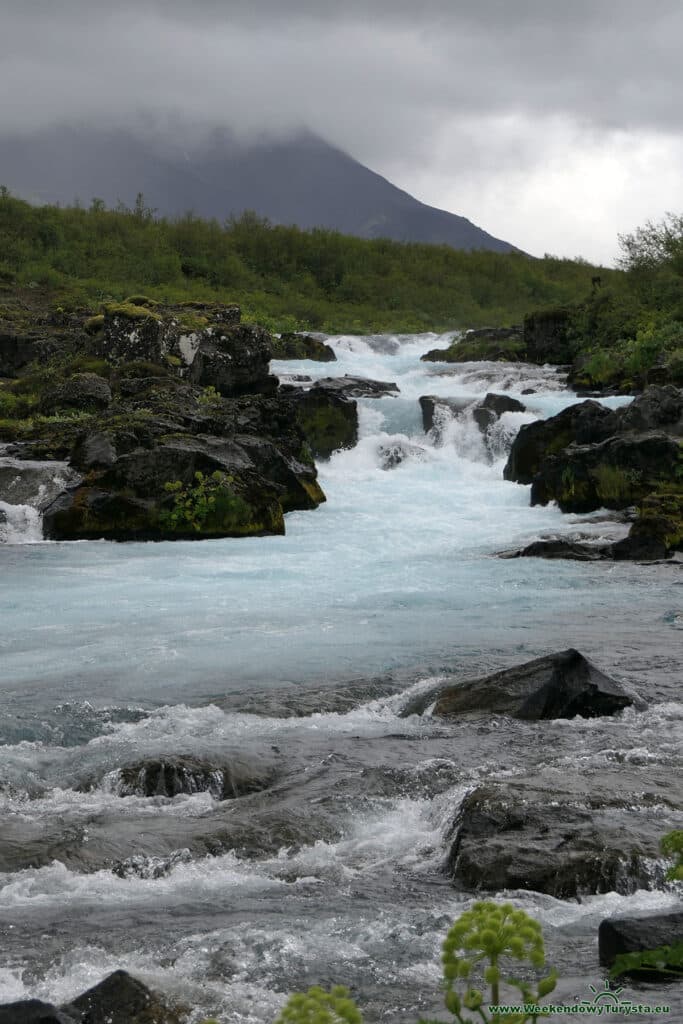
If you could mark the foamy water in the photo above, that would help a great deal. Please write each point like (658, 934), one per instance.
(301, 654)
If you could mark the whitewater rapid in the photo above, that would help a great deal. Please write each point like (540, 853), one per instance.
(299, 654)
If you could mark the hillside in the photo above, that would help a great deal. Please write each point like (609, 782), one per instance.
(302, 181)
(281, 276)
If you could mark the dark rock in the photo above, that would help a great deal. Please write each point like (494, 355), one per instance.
(559, 548)
(357, 387)
(33, 1011)
(580, 423)
(234, 361)
(658, 530)
(560, 685)
(616, 473)
(18, 349)
(437, 410)
(658, 408)
(86, 392)
(509, 839)
(130, 332)
(618, 935)
(546, 336)
(93, 451)
(495, 344)
(488, 411)
(327, 419)
(24, 482)
(121, 999)
(302, 346)
(392, 455)
(176, 774)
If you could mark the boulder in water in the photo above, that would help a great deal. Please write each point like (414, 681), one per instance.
(34, 1011)
(617, 935)
(175, 774)
(121, 999)
(327, 419)
(435, 410)
(292, 345)
(561, 685)
(398, 452)
(357, 387)
(504, 840)
(579, 423)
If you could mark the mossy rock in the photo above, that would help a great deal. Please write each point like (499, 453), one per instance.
(302, 346)
(140, 300)
(129, 311)
(94, 324)
(494, 344)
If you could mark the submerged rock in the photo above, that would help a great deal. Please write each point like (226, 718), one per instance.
(177, 774)
(559, 548)
(505, 840)
(560, 685)
(393, 455)
(618, 935)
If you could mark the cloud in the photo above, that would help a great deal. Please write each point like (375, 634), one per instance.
(463, 102)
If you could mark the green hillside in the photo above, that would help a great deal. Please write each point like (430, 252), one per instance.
(283, 277)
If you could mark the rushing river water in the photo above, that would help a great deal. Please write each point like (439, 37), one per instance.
(297, 654)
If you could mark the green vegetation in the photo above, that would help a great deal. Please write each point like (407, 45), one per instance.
(630, 333)
(209, 501)
(320, 1007)
(283, 277)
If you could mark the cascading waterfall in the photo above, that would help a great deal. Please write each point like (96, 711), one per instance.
(297, 661)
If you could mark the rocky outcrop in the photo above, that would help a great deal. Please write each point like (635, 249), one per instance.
(618, 935)
(489, 344)
(233, 360)
(546, 336)
(85, 392)
(511, 839)
(560, 685)
(199, 446)
(588, 457)
(291, 345)
(327, 419)
(615, 473)
(580, 423)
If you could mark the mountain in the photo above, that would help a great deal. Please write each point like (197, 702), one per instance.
(303, 181)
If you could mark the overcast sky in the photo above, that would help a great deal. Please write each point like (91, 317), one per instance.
(554, 124)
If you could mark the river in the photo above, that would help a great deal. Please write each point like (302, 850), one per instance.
(297, 654)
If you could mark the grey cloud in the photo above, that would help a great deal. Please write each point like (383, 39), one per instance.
(470, 87)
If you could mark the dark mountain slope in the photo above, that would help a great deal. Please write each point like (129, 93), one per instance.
(301, 181)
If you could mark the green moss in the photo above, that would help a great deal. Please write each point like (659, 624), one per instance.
(479, 350)
(129, 311)
(572, 489)
(140, 300)
(613, 484)
(94, 324)
(192, 323)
